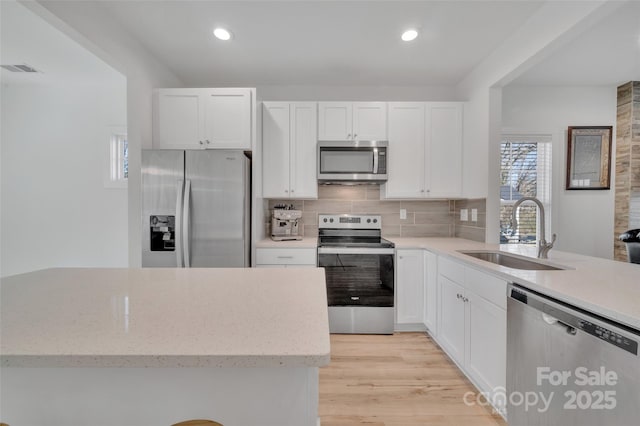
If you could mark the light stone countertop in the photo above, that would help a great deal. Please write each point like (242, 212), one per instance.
(605, 287)
(164, 317)
(306, 242)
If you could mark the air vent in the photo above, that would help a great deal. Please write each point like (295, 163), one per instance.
(19, 68)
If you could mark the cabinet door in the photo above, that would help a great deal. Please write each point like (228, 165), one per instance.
(177, 121)
(303, 150)
(452, 319)
(275, 149)
(227, 121)
(486, 355)
(406, 150)
(410, 287)
(444, 149)
(431, 292)
(370, 121)
(335, 121)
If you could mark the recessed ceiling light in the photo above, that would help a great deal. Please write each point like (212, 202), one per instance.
(222, 34)
(409, 35)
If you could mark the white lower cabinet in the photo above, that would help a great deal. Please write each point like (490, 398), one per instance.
(486, 343)
(286, 258)
(409, 288)
(473, 325)
(431, 292)
(452, 319)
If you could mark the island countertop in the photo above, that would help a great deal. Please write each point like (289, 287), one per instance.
(164, 317)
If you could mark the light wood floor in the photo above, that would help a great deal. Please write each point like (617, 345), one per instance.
(398, 380)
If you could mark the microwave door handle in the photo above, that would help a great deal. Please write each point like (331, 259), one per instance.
(375, 161)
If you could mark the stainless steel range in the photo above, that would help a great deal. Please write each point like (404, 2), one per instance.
(359, 269)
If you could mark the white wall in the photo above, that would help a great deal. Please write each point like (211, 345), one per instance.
(99, 33)
(583, 220)
(55, 208)
(552, 26)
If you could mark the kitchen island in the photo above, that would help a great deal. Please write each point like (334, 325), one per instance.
(158, 346)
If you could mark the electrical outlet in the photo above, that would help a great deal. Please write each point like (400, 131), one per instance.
(464, 215)
(474, 215)
(403, 213)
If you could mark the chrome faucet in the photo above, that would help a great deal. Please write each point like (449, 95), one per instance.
(543, 246)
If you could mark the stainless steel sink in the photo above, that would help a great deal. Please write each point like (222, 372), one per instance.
(510, 260)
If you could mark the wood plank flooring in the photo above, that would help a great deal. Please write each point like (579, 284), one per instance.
(399, 380)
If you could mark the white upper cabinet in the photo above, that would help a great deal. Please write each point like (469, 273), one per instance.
(202, 118)
(227, 120)
(406, 150)
(444, 145)
(343, 121)
(370, 121)
(178, 118)
(335, 121)
(289, 150)
(425, 150)
(275, 149)
(303, 150)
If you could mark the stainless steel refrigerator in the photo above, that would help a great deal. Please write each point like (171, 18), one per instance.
(195, 208)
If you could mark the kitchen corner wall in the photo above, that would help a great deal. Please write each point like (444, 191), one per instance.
(428, 218)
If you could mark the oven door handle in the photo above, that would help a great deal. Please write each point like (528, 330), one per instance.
(354, 250)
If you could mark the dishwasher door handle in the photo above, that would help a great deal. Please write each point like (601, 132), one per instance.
(555, 321)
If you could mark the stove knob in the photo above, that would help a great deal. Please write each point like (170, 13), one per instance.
(331, 220)
(368, 220)
(375, 220)
(325, 220)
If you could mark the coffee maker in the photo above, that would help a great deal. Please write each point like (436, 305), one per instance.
(286, 223)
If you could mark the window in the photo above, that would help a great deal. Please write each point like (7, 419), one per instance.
(118, 159)
(525, 171)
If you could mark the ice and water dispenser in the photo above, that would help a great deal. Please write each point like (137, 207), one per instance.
(163, 233)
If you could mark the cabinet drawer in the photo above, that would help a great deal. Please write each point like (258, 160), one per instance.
(487, 286)
(285, 256)
(450, 269)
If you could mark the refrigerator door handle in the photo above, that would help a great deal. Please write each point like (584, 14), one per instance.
(186, 216)
(178, 224)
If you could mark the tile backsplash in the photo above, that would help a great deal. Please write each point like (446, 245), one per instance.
(469, 229)
(425, 218)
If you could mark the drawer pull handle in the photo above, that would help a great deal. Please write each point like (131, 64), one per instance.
(285, 257)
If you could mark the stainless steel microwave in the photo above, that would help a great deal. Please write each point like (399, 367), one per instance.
(352, 161)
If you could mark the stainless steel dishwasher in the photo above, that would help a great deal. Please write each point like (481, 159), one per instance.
(567, 366)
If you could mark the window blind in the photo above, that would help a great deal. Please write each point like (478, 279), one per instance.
(525, 171)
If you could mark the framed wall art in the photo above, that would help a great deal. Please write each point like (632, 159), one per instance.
(589, 157)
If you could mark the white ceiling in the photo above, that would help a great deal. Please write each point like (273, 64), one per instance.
(330, 43)
(608, 54)
(27, 38)
(323, 43)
